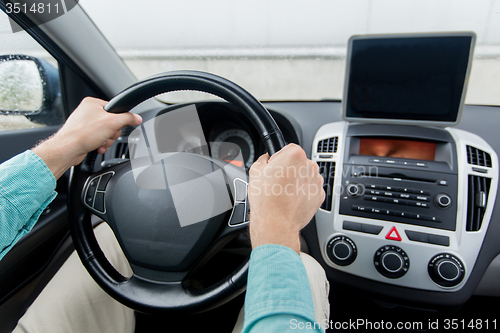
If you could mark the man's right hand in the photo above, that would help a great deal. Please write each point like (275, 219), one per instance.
(89, 127)
(285, 191)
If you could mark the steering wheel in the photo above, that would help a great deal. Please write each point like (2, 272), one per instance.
(160, 251)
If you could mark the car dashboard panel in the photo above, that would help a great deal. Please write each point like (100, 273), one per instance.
(414, 223)
(463, 166)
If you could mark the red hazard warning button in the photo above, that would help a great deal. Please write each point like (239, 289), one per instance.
(393, 234)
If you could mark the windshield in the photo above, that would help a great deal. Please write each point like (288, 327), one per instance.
(286, 49)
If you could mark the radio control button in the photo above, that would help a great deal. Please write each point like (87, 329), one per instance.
(422, 192)
(354, 190)
(442, 200)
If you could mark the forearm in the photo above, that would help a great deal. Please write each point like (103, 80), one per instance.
(57, 155)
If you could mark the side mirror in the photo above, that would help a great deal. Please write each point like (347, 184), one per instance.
(30, 86)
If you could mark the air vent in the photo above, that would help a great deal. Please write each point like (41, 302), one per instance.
(479, 188)
(328, 145)
(122, 147)
(122, 151)
(478, 157)
(327, 170)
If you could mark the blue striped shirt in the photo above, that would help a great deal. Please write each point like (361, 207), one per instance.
(278, 297)
(27, 187)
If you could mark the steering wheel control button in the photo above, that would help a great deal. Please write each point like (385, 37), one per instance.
(446, 270)
(342, 250)
(99, 202)
(393, 234)
(94, 195)
(239, 214)
(240, 189)
(391, 261)
(104, 181)
(442, 200)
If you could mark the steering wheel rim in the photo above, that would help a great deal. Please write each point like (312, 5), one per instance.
(139, 293)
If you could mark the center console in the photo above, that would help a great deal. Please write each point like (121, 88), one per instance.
(411, 222)
(409, 198)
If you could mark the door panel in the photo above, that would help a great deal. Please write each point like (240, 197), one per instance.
(17, 141)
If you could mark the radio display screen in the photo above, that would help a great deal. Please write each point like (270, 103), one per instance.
(411, 149)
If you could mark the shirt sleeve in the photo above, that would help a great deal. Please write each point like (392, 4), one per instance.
(27, 187)
(278, 297)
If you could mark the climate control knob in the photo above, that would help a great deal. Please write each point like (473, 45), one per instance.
(342, 250)
(442, 200)
(446, 270)
(391, 261)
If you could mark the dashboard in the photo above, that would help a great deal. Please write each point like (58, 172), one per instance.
(423, 172)
(409, 215)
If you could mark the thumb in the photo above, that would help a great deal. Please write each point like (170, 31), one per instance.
(127, 119)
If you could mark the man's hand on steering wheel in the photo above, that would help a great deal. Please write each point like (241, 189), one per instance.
(285, 191)
(89, 127)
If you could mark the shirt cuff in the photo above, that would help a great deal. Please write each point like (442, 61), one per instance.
(277, 286)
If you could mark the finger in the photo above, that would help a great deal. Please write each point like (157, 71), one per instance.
(108, 143)
(126, 119)
(261, 161)
(291, 152)
(116, 135)
(264, 158)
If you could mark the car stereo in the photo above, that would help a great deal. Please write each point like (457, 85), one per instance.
(406, 177)
(407, 202)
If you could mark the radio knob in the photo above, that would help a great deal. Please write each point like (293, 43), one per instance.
(442, 200)
(354, 190)
(342, 250)
(446, 270)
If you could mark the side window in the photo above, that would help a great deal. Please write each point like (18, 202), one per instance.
(29, 82)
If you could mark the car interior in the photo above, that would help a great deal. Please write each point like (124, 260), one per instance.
(407, 234)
